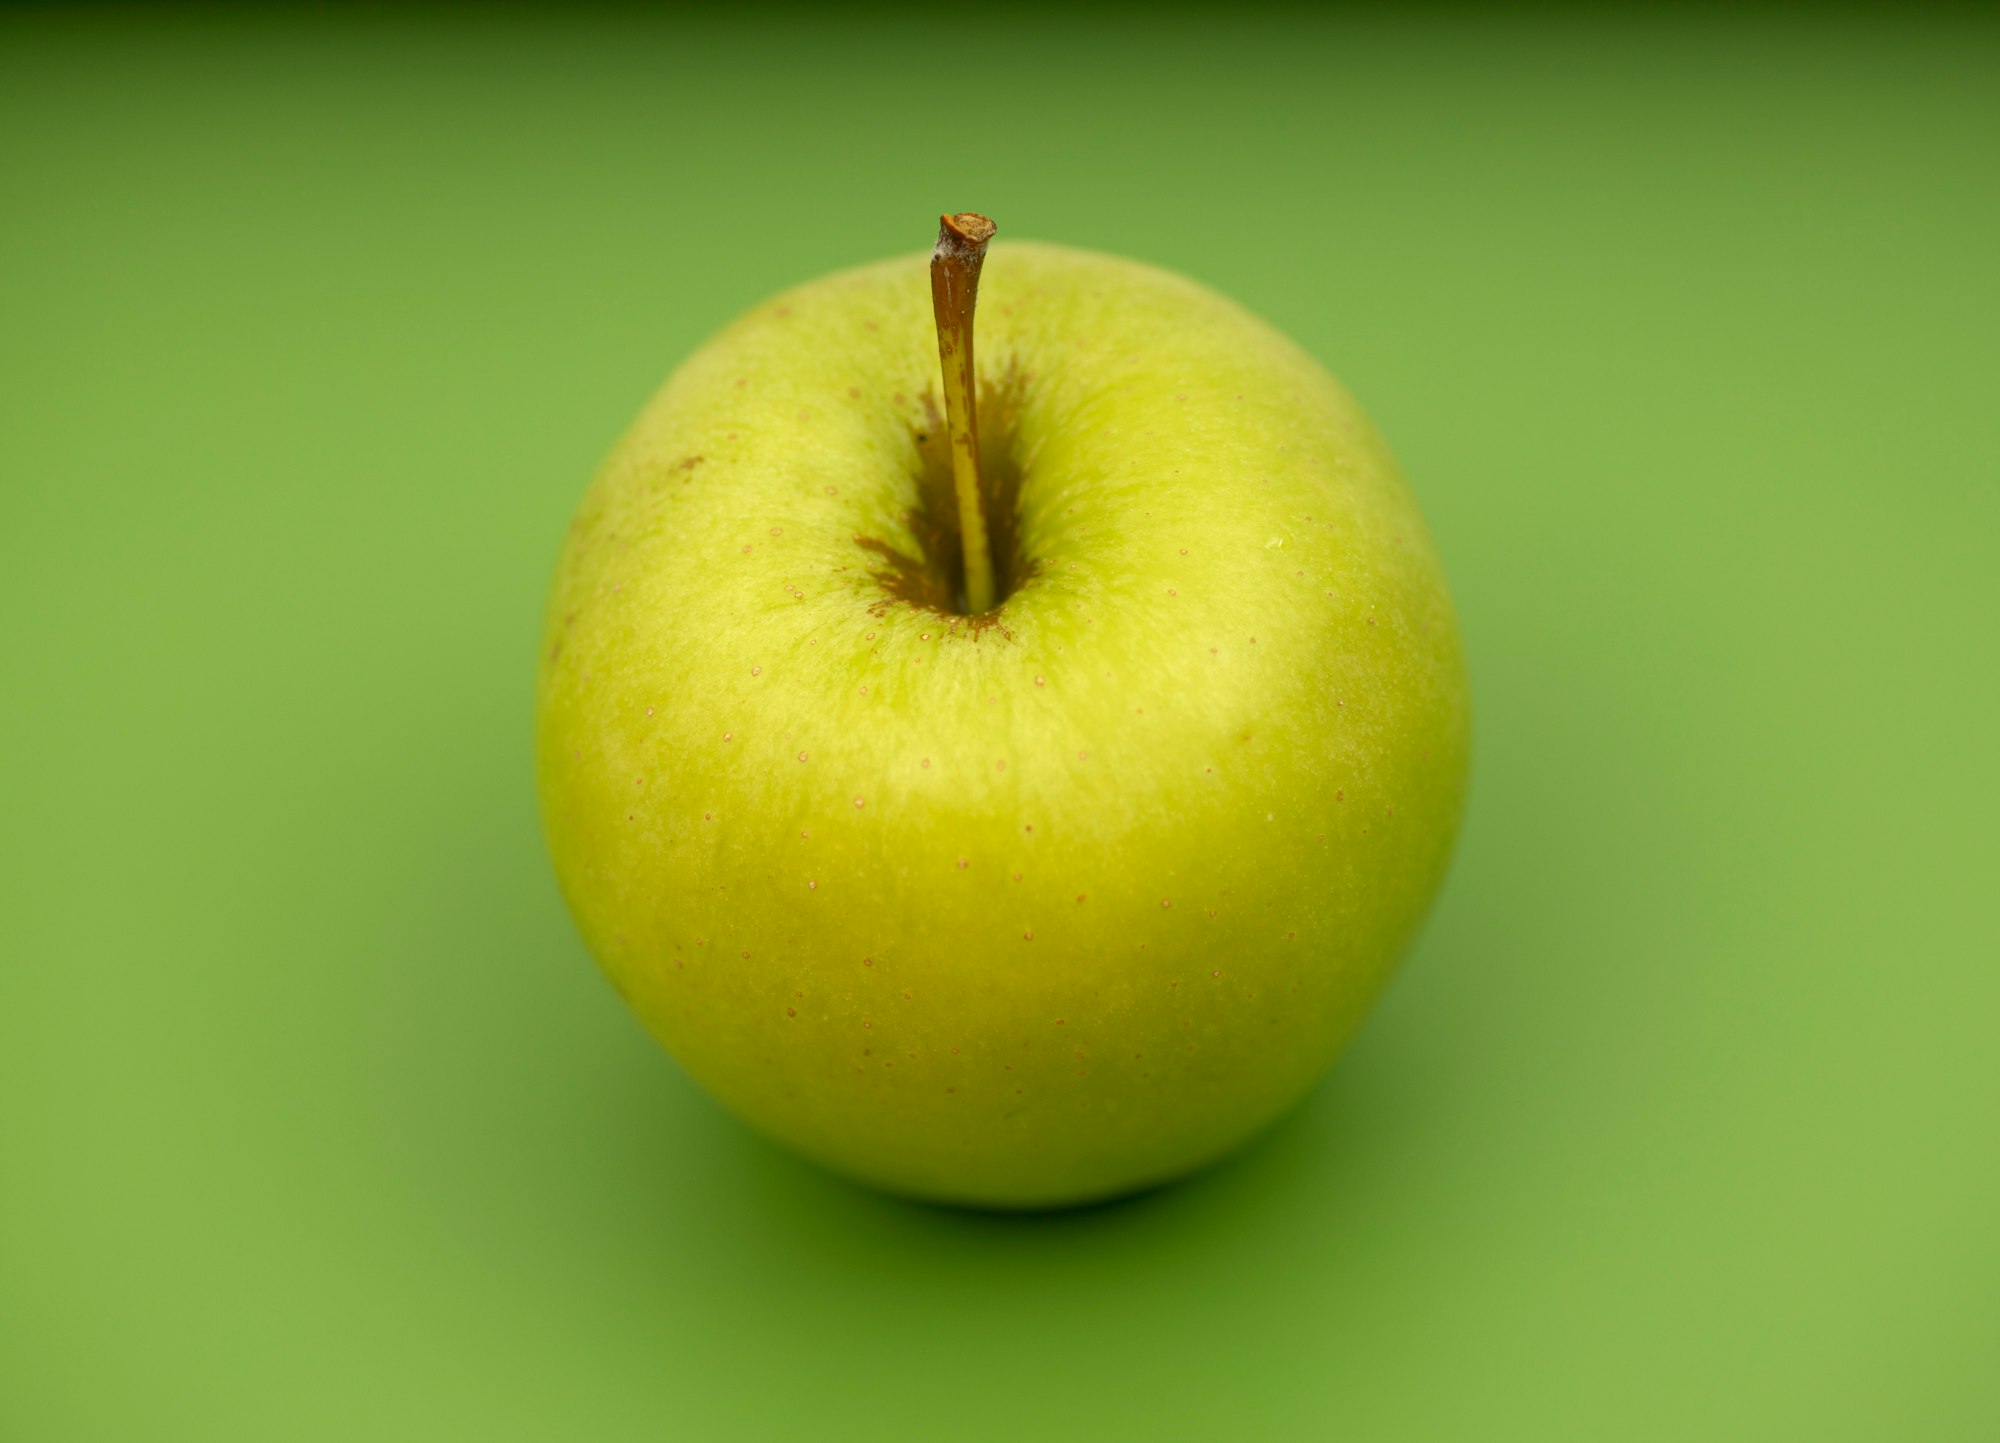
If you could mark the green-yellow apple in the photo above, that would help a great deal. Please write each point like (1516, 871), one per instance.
(1016, 900)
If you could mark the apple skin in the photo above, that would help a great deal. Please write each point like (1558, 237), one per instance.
(1038, 909)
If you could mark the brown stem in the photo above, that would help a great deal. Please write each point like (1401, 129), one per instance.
(961, 251)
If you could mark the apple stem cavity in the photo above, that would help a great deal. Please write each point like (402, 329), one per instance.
(955, 265)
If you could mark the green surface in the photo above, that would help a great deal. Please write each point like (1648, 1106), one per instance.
(315, 1121)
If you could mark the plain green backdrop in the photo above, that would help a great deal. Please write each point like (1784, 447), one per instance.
(316, 1123)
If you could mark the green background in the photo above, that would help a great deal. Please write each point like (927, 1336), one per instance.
(315, 1122)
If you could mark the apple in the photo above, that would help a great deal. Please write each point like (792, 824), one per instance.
(1014, 824)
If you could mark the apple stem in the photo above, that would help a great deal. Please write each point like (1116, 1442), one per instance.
(955, 264)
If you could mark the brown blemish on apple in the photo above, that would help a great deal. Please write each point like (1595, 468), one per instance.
(933, 579)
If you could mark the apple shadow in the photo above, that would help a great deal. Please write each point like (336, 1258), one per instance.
(1292, 1183)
